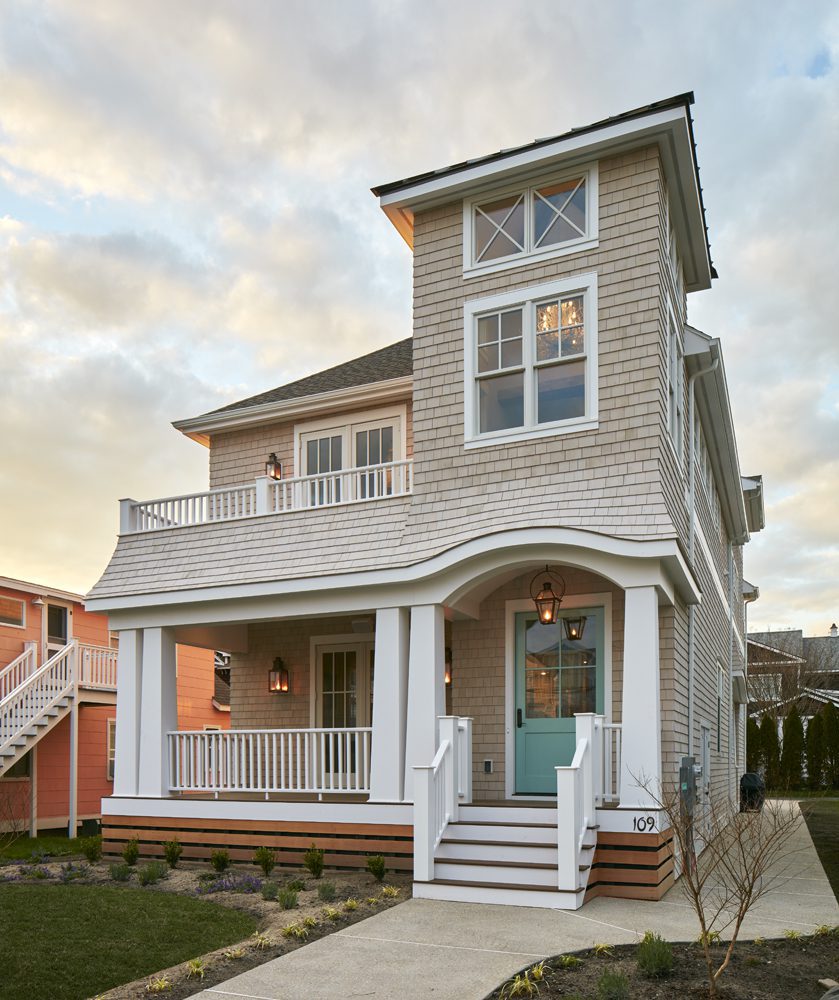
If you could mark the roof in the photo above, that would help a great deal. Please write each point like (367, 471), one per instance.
(24, 586)
(668, 123)
(395, 361)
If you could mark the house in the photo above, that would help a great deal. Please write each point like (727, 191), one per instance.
(58, 691)
(788, 668)
(377, 537)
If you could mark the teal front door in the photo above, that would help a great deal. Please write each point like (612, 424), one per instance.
(559, 671)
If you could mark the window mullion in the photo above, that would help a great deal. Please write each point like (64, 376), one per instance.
(529, 357)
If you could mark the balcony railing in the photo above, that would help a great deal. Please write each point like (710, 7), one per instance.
(268, 496)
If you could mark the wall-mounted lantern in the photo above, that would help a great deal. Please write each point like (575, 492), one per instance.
(274, 467)
(447, 674)
(574, 627)
(547, 601)
(278, 678)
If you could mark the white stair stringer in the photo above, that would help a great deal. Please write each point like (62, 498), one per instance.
(505, 855)
(36, 706)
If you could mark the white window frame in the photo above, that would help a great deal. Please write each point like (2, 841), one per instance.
(529, 255)
(110, 748)
(397, 416)
(22, 603)
(366, 641)
(527, 298)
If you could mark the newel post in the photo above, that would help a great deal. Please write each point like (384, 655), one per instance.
(127, 516)
(586, 731)
(263, 495)
(424, 833)
(568, 826)
(448, 731)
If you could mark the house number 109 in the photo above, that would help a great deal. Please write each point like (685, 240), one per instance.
(643, 823)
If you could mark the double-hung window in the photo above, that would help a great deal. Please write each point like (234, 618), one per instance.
(555, 216)
(531, 362)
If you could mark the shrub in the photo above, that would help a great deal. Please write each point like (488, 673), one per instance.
(270, 891)
(299, 931)
(390, 891)
(351, 904)
(70, 872)
(376, 867)
(792, 752)
(131, 851)
(297, 884)
(568, 961)
(613, 986)
(151, 873)
(521, 986)
(195, 967)
(287, 899)
(220, 860)
(91, 848)
(229, 882)
(313, 861)
(233, 953)
(326, 892)
(654, 956)
(159, 984)
(120, 872)
(331, 913)
(261, 941)
(172, 851)
(815, 751)
(264, 857)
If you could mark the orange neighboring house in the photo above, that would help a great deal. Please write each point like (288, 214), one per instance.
(57, 760)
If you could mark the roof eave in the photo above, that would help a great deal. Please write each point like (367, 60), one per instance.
(670, 128)
(200, 428)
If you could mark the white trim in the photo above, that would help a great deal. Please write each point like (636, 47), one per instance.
(23, 609)
(110, 748)
(533, 256)
(712, 569)
(346, 424)
(511, 608)
(388, 390)
(527, 297)
(316, 643)
(36, 590)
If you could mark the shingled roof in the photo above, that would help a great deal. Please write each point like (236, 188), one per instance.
(395, 361)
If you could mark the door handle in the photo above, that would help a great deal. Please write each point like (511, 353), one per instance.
(519, 723)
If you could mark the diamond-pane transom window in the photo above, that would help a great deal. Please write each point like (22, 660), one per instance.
(559, 212)
(499, 228)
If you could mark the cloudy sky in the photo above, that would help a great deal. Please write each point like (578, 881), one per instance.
(185, 219)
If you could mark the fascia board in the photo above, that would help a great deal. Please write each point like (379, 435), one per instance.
(199, 428)
(23, 587)
(670, 129)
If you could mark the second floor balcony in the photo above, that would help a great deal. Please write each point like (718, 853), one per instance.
(266, 496)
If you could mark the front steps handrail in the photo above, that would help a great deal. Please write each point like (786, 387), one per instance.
(30, 701)
(437, 794)
(16, 672)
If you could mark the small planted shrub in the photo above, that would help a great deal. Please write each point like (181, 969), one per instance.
(568, 961)
(298, 931)
(229, 882)
(390, 891)
(372, 900)
(70, 872)
(91, 848)
(151, 873)
(350, 905)
(159, 984)
(613, 986)
(376, 867)
(234, 953)
(270, 891)
(297, 884)
(195, 968)
(654, 956)
(331, 913)
(172, 851)
(220, 860)
(264, 857)
(603, 950)
(520, 986)
(310, 922)
(261, 941)
(792, 935)
(709, 937)
(539, 972)
(120, 872)
(313, 861)
(131, 851)
(287, 899)
(326, 892)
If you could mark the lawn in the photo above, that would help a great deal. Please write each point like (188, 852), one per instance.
(24, 847)
(67, 942)
(823, 823)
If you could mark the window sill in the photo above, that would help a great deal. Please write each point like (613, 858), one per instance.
(577, 426)
(526, 259)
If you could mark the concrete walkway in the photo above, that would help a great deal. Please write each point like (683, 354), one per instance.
(426, 948)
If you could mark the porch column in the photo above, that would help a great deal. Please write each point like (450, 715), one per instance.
(641, 704)
(426, 687)
(158, 711)
(127, 741)
(390, 701)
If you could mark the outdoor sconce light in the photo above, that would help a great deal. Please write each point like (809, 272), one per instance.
(274, 467)
(547, 602)
(278, 678)
(447, 674)
(574, 627)
(38, 602)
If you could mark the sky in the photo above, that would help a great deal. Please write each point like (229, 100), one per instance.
(185, 220)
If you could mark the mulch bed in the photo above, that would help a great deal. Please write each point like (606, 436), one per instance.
(772, 970)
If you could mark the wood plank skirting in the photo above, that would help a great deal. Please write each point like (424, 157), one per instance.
(632, 865)
(347, 845)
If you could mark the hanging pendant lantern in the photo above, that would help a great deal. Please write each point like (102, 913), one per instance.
(574, 627)
(548, 601)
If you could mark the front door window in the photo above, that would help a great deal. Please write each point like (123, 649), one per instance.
(57, 627)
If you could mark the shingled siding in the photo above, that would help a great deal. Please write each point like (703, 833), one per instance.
(607, 480)
(239, 456)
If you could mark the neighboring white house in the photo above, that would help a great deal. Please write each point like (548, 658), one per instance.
(375, 536)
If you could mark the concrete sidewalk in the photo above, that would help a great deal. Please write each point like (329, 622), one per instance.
(426, 948)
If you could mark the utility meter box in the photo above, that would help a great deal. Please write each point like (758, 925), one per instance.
(688, 773)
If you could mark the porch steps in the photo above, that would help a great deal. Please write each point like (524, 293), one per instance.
(503, 854)
(14, 745)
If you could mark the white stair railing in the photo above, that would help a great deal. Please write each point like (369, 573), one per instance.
(464, 756)
(608, 774)
(437, 795)
(30, 701)
(270, 760)
(576, 802)
(16, 672)
(98, 667)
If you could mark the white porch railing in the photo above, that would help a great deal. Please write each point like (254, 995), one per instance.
(266, 496)
(16, 672)
(98, 667)
(608, 761)
(270, 760)
(464, 757)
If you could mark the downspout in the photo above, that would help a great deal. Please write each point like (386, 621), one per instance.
(731, 774)
(692, 534)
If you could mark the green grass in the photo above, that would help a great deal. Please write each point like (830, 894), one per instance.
(67, 942)
(823, 824)
(57, 846)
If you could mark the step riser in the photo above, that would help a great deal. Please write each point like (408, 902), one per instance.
(512, 834)
(503, 897)
(507, 814)
(495, 873)
(499, 853)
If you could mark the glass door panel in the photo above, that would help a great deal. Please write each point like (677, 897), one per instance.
(374, 446)
(322, 456)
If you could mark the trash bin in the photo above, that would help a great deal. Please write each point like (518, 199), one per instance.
(752, 792)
